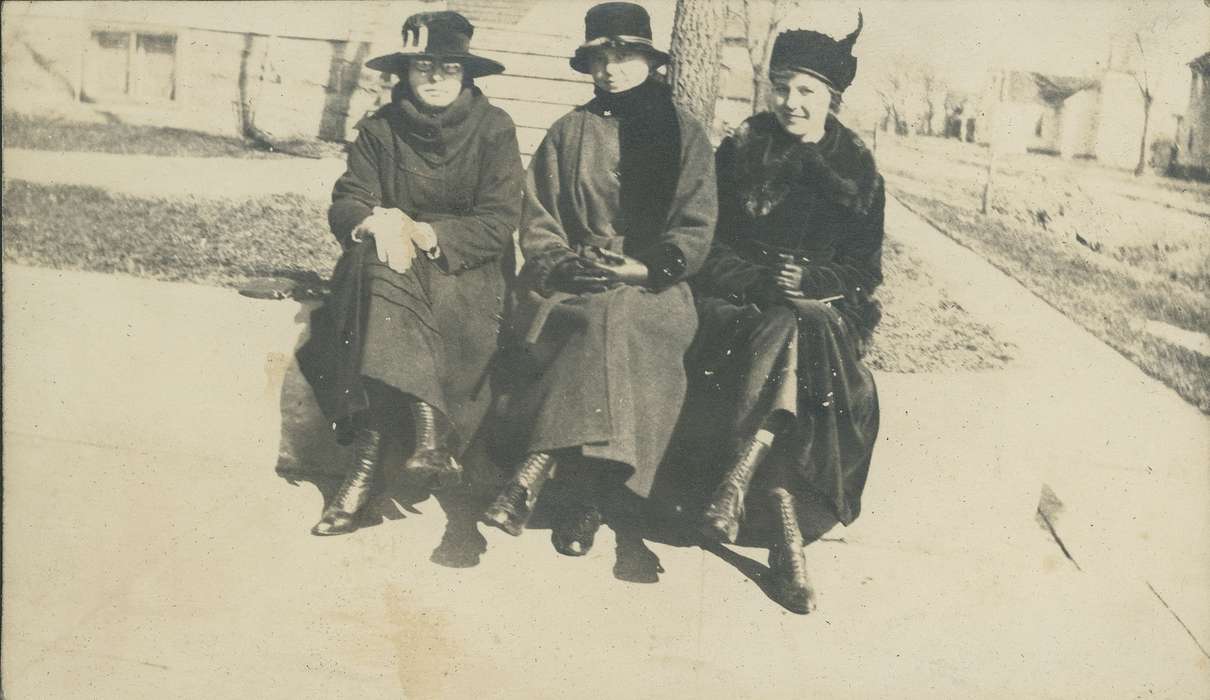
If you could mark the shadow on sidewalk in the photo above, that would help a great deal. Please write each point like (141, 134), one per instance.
(309, 454)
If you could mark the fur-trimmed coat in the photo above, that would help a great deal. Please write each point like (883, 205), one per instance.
(763, 361)
(822, 203)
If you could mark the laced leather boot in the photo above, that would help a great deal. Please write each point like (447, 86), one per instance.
(787, 565)
(720, 521)
(432, 456)
(340, 517)
(513, 507)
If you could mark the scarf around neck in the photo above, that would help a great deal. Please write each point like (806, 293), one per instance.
(439, 134)
(650, 155)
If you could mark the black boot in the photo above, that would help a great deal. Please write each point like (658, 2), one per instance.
(340, 517)
(787, 565)
(432, 457)
(575, 527)
(515, 504)
(720, 521)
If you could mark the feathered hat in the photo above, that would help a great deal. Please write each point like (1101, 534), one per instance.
(818, 54)
(443, 36)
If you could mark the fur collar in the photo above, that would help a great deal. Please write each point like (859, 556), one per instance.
(770, 162)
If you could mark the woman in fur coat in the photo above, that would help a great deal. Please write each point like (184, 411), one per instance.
(786, 312)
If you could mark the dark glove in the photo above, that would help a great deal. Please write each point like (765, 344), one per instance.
(577, 276)
(665, 267)
(764, 293)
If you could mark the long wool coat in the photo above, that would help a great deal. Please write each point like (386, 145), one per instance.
(759, 356)
(606, 370)
(429, 333)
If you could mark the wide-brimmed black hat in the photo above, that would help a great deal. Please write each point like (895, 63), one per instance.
(820, 55)
(616, 24)
(444, 36)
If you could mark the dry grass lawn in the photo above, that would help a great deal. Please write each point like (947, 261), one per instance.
(230, 242)
(1111, 252)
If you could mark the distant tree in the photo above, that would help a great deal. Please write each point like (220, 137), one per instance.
(930, 85)
(697, 43)
(761, 20)
(1144, 84)
(892, 90)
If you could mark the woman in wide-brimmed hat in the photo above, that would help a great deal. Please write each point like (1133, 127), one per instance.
(620, 204)
(425, 213)
(786, 309)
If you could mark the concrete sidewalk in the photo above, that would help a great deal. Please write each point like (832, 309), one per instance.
(164, 176)
(152, 551)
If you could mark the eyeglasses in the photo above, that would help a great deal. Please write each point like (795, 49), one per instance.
(427, 66)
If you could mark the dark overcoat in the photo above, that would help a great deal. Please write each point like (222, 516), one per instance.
(759, 357)
(608, 371)
(431, 332)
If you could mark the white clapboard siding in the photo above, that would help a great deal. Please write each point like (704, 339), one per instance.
(539, 89)
(539, 115)
(521, 38)
(532, 65)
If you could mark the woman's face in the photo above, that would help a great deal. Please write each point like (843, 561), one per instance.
(800, 101)
(434, 82)
(617, 69)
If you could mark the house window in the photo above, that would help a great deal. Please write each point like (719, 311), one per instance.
(130, 65)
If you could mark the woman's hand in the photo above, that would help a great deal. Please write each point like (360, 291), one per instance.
(625, 269)
(578, 276)
(787, 277)
(391, 230)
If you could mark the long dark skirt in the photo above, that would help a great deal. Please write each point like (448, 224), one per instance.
(424, 334)
(604, 374)
(797, 366)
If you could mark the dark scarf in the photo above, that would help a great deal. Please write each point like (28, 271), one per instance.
(437, 136)
(650, 142)
(770, 161)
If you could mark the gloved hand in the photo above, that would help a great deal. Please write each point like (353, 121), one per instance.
(391, 230)
(576, 275)
(625, 268)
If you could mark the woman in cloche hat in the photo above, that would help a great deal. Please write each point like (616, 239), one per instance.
(620, 204)
(425, 214)
(787, 310)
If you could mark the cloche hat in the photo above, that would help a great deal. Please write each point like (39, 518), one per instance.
(616, 24)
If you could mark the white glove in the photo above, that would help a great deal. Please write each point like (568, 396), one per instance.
(425, 239)
(391, 230)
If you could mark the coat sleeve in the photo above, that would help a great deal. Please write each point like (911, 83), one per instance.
(727, 274)
(486, 231)
(682, 249)
(544, 241)
(359, 189)
(857, 267)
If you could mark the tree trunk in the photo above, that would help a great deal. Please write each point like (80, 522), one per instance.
(1142, 165)
(253, 62)
(697, 42)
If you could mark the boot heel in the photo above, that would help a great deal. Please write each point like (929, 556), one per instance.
(340, 517)
(513, 507)
(787, 565)
(431, 456)
(721, 519)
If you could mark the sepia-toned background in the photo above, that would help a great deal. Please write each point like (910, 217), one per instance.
(1037, 522)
